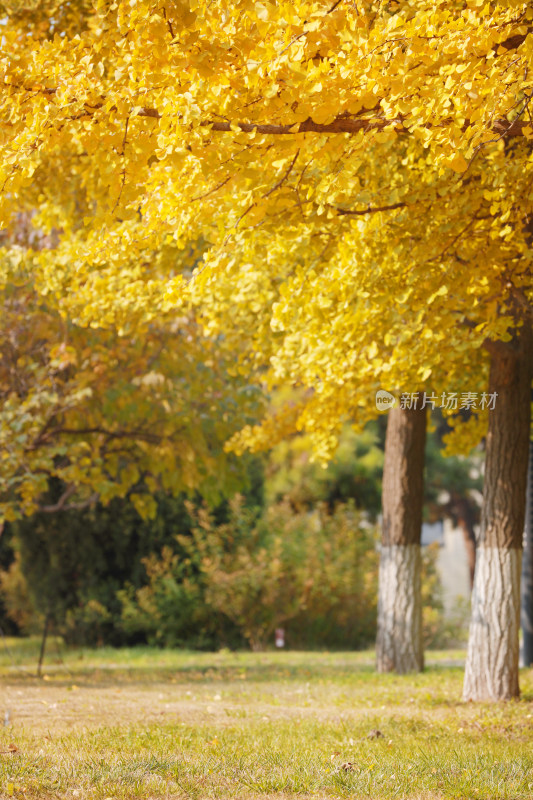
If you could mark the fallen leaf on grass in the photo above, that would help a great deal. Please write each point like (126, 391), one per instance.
(11, 748)
(348, 766)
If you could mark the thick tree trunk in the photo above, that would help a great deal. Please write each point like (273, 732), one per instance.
(492, 659)
(527, 570)
(399, 641)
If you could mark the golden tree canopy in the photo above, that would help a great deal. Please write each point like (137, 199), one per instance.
(356, 177)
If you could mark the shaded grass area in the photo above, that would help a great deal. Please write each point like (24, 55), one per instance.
(144, 723)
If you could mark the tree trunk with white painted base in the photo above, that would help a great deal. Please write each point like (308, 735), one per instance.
(399, 641)
(527, 570)
(492, 665)
(492, 659)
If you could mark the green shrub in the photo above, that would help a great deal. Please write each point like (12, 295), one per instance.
(206, 579)
(170, 609)
(313, 574)
(69, 566)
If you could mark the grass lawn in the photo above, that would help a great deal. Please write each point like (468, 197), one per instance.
(146, 723)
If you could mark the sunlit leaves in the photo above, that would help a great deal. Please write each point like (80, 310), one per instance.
(350, 172)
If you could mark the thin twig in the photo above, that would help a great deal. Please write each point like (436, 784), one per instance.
(124, 167)
(334, 6)
(211, 191)
(506, 132)
(285, 176)
(169, 24)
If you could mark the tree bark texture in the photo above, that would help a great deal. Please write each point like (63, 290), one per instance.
(527, 569)
(492, 658)
(492, 661)
(399, 640)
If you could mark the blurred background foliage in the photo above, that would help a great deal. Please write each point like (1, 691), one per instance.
(297, 548)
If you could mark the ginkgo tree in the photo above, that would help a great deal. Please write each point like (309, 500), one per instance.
(391, 143)
(109, 414)
(327, 320)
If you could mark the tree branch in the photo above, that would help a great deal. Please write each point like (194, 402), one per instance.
(513, 42)
(62, 506)
(51, 509)
(141, 435)
(369, 210)
(340, 125)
